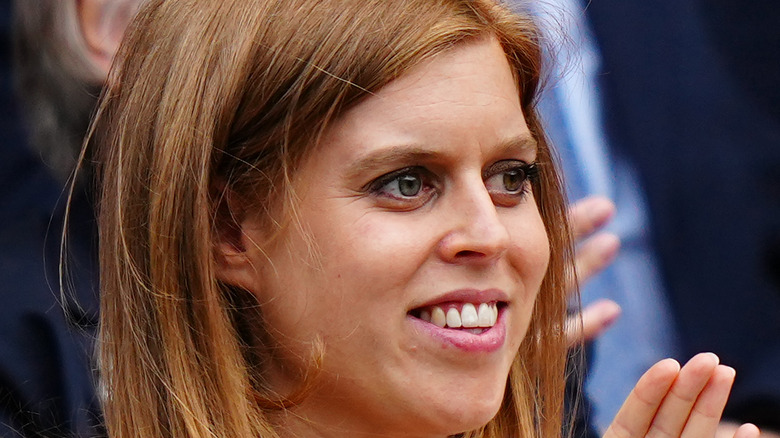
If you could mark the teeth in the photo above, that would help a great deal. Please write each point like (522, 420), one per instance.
(453, 318)
(437, 317)
(469, 316)
(486, 315)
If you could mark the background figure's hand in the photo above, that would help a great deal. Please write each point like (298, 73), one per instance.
(591, 322)
(594, 253)
(672, 402)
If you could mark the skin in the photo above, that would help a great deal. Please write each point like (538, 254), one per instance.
(102, 28)
(380, 255)
(672, 402)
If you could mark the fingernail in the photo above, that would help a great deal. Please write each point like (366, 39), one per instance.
(714, 356)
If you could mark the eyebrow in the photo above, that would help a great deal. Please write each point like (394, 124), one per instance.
(388, 156)
(519, 144)
(412, 153)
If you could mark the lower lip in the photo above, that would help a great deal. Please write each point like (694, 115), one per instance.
(486, 342)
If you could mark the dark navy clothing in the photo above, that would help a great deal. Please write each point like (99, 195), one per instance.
(45, 358)
(681, 100)
(46, 373)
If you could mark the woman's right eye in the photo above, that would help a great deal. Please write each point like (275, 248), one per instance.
(405, 185)
(409, 187)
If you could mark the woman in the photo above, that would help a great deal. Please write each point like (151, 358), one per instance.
(324, 218)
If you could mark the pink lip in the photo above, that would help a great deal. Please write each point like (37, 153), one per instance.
(488, 341)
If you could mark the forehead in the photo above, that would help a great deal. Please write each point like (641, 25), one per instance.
(466, 94)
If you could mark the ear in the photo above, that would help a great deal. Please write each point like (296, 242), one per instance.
(234, 248)
(102, 28)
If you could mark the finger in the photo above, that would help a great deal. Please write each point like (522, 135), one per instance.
(595, 254)
(726, 429)
(590, 214)
(729, 429)
(594, 320)
(636, 414)
(747, 431)
(706, 413)
(678, 404)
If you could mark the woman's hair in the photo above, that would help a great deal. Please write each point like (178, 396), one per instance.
(213, 100)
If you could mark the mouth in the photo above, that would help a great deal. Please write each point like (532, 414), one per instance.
(470, 320)
(474, 318)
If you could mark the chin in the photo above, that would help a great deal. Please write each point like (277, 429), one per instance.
(469, 412)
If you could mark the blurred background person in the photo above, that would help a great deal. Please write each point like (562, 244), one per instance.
(691, 93)
(62, 51)
(673, 106)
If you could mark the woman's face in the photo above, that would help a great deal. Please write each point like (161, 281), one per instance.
(419, 218)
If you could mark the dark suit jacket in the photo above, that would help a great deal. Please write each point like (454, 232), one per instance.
(45, 358)
(683, 102)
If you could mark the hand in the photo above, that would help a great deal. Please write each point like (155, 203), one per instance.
(672, 402)
(591, 322)
(594, 251)
(727, 428)
(593, 254)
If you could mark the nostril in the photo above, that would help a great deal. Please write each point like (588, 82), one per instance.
(467, 254)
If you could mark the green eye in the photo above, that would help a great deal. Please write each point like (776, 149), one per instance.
(514, 179)
(408, 185)
(508, 181)
(404, 184)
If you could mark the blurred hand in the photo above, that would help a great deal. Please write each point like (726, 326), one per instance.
(594, 252)
(591, 322)
(672, 402)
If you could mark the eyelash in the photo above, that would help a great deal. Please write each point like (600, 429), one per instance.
(428, 184)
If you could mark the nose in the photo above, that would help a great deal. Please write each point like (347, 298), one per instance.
(476, 233)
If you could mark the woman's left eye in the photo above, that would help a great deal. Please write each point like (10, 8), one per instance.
(509, 180)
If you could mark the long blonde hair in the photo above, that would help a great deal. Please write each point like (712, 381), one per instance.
(216, 98)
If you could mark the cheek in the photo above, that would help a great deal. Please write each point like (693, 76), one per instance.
(530, 250)
(343, 269)
(375, 250)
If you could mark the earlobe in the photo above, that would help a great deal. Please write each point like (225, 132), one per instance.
(233, 261)
(233, 265)
(102, 32)
(235, 256)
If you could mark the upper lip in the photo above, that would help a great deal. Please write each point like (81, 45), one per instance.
(466, 296)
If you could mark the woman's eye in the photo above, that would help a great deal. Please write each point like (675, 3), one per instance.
(407, 185)
(508, 181)
(405, 188)
(514, 179)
